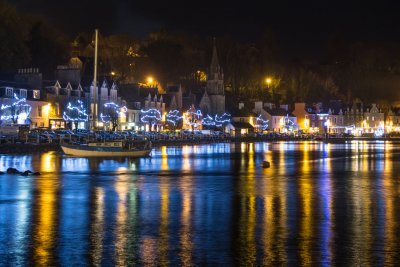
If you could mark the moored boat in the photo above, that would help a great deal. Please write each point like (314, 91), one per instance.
(107, 149)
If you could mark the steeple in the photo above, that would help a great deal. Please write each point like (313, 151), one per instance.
(214, 67)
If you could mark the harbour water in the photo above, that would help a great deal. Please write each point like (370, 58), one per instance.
(214, 204)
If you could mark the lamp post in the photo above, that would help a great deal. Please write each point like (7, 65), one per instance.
(150, 81)
(268, 82)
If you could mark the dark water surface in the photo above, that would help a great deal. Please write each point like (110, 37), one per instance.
(320, 204)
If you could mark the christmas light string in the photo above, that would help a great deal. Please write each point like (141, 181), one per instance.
(208, 121)
(115, 107)
(81, 115)
(260, 123)
(223, 119)
(150, 116)
(173, 117)
(20, 103)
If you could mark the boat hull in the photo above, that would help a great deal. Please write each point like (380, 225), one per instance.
(79, 152)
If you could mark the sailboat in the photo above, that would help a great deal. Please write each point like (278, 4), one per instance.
(109, 148)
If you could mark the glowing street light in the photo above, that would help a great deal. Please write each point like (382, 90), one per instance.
(150, 80)
(268, 81)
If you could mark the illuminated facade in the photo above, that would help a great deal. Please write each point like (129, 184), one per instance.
(35, 111)
(392, 124)
(301, 114)
(280, 119)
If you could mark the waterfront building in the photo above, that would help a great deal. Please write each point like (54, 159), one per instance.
(106, 96)
(243, 121)
(301, 113)
(364, 121)
(280, 119)
(392, 123)
(373, 123)
(34, 111)
(59, 96)
(132, 118)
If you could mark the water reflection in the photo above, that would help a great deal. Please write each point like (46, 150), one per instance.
(318, 204)
(45, 205)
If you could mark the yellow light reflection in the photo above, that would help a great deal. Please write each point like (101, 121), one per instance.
(361, 223)
(247, 244)
(306, 224)
(164, 159)
(164, 221)
(48, 162)
(44, 233)
(121, 187)
(97, 228)
(185, 232)
(390, 214)
(185, 158)
(275, 218)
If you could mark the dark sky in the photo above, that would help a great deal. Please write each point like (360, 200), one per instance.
(296, 22)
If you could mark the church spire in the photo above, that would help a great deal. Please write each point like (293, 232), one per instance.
(214, 67)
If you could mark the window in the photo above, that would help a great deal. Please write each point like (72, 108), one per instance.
(36, 94)
(22, 93)
(9, 91)
(113, 94)
(39, 111)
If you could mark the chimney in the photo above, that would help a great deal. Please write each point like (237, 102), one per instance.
(268, 105)
(241, 105)
(258, 106)
(285, 107)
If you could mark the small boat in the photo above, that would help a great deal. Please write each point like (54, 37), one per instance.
(107, 149)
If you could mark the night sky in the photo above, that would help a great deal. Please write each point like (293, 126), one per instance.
(292, 21)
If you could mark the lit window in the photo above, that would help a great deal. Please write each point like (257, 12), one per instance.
(36, 94)
(22, 93)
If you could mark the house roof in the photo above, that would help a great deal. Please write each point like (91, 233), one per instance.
(173, 88)
(278, 112)
(167, 99)
(243, 112)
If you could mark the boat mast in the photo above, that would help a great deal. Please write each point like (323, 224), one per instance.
(94, 125)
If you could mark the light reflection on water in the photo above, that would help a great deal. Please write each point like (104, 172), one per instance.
(320, 204)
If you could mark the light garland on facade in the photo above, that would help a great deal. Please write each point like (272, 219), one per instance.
(16, 113)
(208, 121)
(116, 108)
(150, 116)
(223, 119)
(193, 117)
(173, 117)
(262, 124)
(379, 132)
(288, 123)
(81, 112)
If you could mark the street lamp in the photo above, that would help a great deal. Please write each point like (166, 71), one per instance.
(150, 80)
(268, 81)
